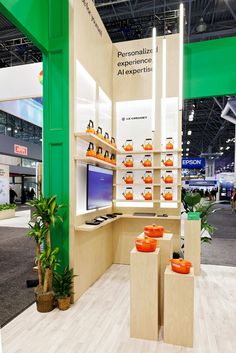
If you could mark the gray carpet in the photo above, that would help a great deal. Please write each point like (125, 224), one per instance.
(17, 253)
(222, 250)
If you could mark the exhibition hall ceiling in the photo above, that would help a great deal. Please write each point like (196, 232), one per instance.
(134, 19)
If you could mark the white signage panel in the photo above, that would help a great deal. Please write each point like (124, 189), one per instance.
(4, 184)
(18, 82)
(133, 121)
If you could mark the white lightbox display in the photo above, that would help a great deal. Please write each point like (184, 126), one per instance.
(133, 121)
(169, 121)
(85, 98)
(4, 184)
(104, 112)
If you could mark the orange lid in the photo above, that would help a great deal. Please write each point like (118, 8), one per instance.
(153, 227)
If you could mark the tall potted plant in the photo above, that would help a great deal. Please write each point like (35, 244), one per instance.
(44, 216)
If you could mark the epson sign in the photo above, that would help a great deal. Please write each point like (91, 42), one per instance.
(193, 163)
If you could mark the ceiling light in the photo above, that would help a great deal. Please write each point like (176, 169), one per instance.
(202, 26)
(221, 148)
(189, 132)
(9, 129)
(191, 116)
(186, 154)
(188, 142)
(221, 153)
(154, 38)
(15, 131)
(187, 149)
(227, 148)
(181, 53)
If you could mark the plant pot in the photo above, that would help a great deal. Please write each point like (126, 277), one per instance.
(45, 301)
(63, 303)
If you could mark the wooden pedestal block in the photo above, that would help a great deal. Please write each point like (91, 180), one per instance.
(165, 245)
(178, 308)
(144, 269)
(192, 244)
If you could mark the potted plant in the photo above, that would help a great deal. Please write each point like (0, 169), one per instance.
(7, 210)
(192, 203)
(44, 216)
(63, 287)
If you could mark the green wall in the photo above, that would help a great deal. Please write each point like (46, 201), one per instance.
(210, 68)
(45, 22)
(30, 16)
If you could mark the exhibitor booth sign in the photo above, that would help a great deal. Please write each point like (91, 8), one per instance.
(4, 184)
(193, 163)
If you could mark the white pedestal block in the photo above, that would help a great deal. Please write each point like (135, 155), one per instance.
(178, 308)
(144, 268)
(192, 244)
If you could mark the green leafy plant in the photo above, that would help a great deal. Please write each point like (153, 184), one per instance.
(49, 263)
(7, 206)
(38, 231)
(192, 203)
(45, 215)
(63, 283)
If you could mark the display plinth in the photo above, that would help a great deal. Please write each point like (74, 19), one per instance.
(165, 244)
(144, 294)
(192, 244)
(178, 308)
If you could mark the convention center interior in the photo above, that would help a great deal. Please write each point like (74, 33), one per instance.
(117, 176)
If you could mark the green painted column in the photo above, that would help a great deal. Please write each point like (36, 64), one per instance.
(56, 119)
(45, 22)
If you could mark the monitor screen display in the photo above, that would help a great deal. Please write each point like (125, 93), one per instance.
(99, 187)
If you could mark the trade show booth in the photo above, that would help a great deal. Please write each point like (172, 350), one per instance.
(112, 155)
(125, 142)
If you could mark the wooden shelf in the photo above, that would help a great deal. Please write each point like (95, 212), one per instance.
(89, 228)
(135, 200)
(173, 218)
(140, 200)
(88, 137)
(148, 168)
(149, 152)
(147, 185)
(95, 161)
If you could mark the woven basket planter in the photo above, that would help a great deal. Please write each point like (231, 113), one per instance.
(45, 302)
(63, 303)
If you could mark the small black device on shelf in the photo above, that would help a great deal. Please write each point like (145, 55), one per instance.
(93, 222)
(110, 215)
(100, 219)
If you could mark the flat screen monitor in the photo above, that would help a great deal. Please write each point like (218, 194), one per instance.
(99, 187)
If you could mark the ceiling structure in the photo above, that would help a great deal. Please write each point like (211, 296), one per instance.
(134, 19)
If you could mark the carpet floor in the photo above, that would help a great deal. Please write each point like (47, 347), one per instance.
(222, 250)
(17, 254)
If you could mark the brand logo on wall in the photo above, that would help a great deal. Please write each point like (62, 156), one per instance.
(40, 77)
(133, 118)
(193, 163)
(21, 150)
